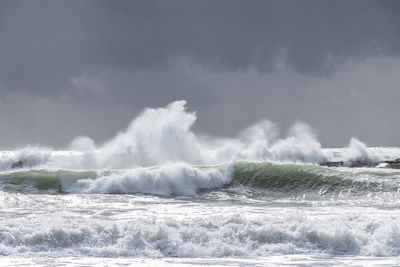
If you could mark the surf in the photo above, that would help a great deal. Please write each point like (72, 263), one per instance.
(187, 180)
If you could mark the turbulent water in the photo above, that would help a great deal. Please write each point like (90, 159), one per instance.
(159, 194)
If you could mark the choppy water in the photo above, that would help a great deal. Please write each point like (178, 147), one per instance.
(260, 213)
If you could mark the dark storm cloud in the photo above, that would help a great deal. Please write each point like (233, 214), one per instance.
(75, 67)
(46, 43)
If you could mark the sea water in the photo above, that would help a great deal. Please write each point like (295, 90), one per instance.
(158, 194)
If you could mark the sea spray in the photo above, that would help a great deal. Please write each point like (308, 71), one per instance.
(172, 179)
(161, 136)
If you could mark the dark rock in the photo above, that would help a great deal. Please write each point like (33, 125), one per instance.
(360, 164)
(396, 161)
(332, 164)
(17, 165)
(392, 164)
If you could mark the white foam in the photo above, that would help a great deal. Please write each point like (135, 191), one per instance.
(216, 236)
(358, 151)
(26, 157)
(171, 179)
(301, 145)
(163, 135)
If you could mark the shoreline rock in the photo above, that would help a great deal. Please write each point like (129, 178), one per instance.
(390, 164)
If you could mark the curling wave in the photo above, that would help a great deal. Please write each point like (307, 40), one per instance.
(183, 179)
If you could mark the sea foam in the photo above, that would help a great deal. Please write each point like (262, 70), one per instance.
(172, 179)
(214, 236)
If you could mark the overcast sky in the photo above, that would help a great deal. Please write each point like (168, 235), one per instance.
(82, 67)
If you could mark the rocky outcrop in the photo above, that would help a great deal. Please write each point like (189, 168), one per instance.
(17, 165)
(391, 164)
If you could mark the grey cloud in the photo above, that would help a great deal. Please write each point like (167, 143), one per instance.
(360, 99)
(153, 86)
(47, 121)
(87, 67)
(45, 43)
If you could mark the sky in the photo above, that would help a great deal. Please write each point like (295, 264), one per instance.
(87, 68)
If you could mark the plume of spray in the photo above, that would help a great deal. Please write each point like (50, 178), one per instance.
(359, 152)
(163, 136)
(300, 146)
(155, 137)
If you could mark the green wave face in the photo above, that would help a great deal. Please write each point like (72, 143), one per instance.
(287, 177)
(44, 180)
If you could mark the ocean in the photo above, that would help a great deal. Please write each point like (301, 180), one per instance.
(159, 194)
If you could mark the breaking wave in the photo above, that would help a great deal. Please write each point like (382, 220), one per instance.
(186, 180)
(158, 154)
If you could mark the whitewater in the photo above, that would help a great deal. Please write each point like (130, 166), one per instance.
(161, 194)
